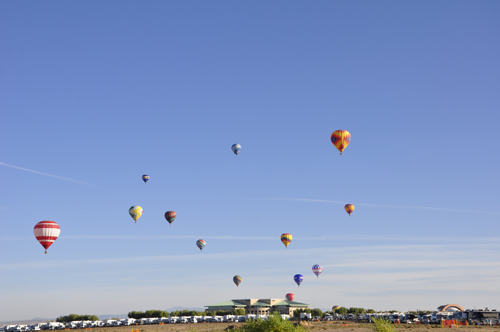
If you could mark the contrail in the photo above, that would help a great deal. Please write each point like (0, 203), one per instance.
(378, 205)
(46, 174)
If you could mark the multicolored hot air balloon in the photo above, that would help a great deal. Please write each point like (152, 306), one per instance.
(286, 238)
(170, 216)
(298, 278)
(145, 178)
(341, 139)
(135, 212)
(289, 296)
(349, 208)
(317, 269)
(201, 244)
(46, 232)
(236, 148)
(237, 280)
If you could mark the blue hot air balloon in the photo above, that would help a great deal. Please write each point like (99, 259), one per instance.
(317, 269)
(236, 148)
(298, 278)
(145, 178)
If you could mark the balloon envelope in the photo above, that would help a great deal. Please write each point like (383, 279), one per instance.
(135, 212)
(236, 148)
(289, 296)
(201, 244)
(145, 178)
(46, 232)
(298, 278)
(237, 280)
(286, 238)
(170, 216)
(349, 208)
(317, 269)
(341, 139)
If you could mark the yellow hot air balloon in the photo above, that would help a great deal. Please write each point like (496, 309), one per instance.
(286, 238)
(135, 212)
(349, 208)
(341, 139)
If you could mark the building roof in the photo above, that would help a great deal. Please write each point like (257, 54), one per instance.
(230, 303)
(260, 304)
(286, 303)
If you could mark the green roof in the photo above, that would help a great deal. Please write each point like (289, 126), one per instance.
(260, 304)
(227, 304)
(286, 303)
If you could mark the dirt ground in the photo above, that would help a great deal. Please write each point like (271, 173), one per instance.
(335, 326)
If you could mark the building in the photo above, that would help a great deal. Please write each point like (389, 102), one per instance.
(260, 306)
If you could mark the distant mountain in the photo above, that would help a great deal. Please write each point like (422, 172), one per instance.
(27, 322)
(185, 308)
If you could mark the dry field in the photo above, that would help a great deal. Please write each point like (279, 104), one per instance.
(313, 326)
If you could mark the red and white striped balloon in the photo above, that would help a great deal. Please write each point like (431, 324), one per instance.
(46, 232)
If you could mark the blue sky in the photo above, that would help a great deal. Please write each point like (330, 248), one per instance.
(93, 95)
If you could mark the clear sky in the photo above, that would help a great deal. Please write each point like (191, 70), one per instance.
(95, 94)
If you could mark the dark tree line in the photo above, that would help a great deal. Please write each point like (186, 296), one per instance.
(147, 314)
(72, 317)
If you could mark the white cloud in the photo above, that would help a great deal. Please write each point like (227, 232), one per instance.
(50, 175)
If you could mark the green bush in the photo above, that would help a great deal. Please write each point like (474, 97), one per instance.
(382, 325)
(274, 323)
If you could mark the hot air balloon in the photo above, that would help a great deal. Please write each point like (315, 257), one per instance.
(341, 139)
(170, 216)
(349, 208)
(46, 232)
(289, 296)
(237, 280)
(317, 269)
(286, 238)
(298, 278)
(201, 244)
(145, 178)
(236, 148)
(135, 212)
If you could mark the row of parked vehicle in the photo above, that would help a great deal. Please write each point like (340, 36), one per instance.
(132, 321)
(471, 316)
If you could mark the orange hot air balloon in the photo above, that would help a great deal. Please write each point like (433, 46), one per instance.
(349, 208)
(286, 238)
(341, 139)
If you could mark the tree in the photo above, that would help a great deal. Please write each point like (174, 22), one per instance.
(341, 311)
(73, 317)
(147, 314)
(239, 312)
(316, 312)
(297, 312)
